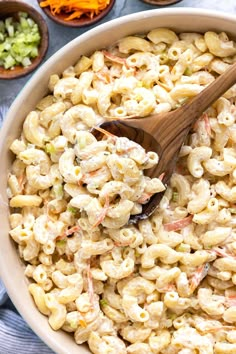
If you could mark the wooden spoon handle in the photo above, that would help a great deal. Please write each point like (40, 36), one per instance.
(169, 129)
(210, 94)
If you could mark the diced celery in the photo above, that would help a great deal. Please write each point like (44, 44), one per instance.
(34, 52)
(10, 30)
(19, 41)
(17, 58)
(30, 22)
(9, 62)
(8, 21)
(22, 14)
(24, 23)
(7, 46)
(26, 61)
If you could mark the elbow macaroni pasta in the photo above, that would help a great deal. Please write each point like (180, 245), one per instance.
(168, 284)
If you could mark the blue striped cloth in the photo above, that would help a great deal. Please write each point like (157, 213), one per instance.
(15, 335)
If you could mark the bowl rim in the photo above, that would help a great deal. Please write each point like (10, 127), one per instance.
(44, 43)
(30, 85)
(77, 22)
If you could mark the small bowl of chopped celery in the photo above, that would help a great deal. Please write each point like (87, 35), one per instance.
(76, 13)
(23, 39)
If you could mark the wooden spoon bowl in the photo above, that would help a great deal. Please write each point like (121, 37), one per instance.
(11, 8)
(78, 22)
(165, 133)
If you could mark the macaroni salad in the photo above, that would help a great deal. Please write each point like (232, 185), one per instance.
(168, 284)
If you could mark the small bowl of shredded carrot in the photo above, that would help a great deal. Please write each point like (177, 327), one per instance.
(76, 13)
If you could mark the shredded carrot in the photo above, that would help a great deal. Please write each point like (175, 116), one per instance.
(144, 198)
(114, 58)
(178, 224)
(162, 175)
(22, 180)
(119, 244)
(181, 169)
(74, 8)
(168, 288)
(205, 118)
(87, 176)
(230, 301)
(104, 76)
(222, 252)
(68, 233)
(70, 257)
(207, 124)
(103, 213)
(105, 132)
(198, 276)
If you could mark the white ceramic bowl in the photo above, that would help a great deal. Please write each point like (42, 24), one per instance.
(11, 270)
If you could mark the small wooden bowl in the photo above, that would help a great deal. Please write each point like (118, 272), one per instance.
(11, 8)
(80, 22)
(161, 2)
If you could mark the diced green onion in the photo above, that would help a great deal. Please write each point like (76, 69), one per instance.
(61, 243)
(175, 196)
(50, 149)
(188, 72)
(19, 41)
(103, 302)
(72, 210)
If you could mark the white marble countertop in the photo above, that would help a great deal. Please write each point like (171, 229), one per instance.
(60, 35)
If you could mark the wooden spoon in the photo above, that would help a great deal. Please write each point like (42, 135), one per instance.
(165, 133)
